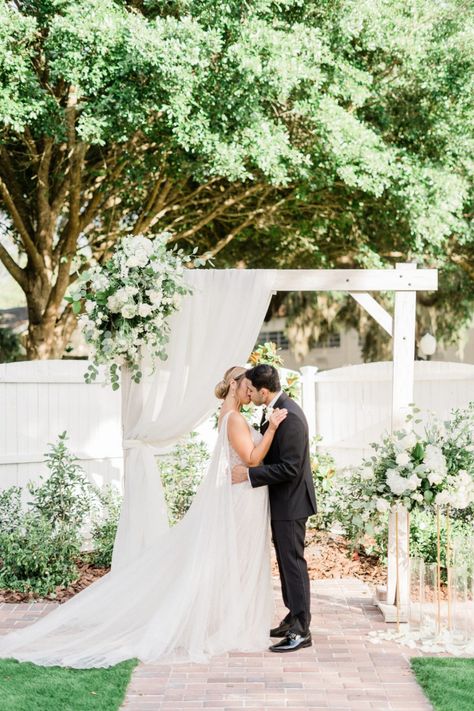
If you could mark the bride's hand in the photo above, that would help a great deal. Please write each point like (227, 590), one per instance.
(277, 417)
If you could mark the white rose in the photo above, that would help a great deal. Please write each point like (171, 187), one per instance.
(413, 482)
(145, 310)
(417, 496)
(90, 306)
(397, 484)
(100, 282)
(129, 311)
(382, 505)
(402, 458)
(133, 261)
(142, 244)
(435, 478)
(114, 304)
(154, 296)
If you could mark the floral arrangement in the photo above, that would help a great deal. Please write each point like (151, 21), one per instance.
(413, 468)
(417, 470)
(127, 302)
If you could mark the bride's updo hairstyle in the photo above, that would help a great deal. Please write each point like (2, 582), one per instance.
(222, 388)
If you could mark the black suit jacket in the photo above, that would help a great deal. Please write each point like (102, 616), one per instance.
(286, 468)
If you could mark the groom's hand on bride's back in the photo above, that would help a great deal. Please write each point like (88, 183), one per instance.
(239, 474)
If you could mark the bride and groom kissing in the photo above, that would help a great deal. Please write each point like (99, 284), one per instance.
(204, 587)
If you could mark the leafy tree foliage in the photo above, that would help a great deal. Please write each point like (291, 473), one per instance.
(277, 133)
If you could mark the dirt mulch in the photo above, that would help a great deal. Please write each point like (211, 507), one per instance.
(328, 556)
(87, 575)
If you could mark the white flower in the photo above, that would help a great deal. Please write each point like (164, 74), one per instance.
(129, 311)
(144, 310)
(402, 458)
(413, 482)
(435, 459)
(140, 259)
(90, 306)
(114, 304)
(382, 505)
(177, 298)
(99, 282)
(397, 484)
(435, 478)
(366, 472)
(154, 296)
(417, 496)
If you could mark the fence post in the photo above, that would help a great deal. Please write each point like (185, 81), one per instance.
(308, 396)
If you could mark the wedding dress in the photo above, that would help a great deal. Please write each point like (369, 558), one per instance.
(203, 588)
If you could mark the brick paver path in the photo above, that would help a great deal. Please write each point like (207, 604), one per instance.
(342, 670)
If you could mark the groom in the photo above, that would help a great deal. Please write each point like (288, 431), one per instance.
(287, 472)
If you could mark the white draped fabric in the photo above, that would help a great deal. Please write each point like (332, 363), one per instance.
(215, 329)
(202, 589)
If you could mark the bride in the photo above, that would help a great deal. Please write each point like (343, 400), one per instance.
(204, 586)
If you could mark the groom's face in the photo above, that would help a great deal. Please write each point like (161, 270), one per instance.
(258, 397)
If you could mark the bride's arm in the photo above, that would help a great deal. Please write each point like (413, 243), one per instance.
(241, 440)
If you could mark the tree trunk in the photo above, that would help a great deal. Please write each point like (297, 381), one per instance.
(49, 329)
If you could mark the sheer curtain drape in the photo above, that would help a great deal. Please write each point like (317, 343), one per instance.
(216, 328)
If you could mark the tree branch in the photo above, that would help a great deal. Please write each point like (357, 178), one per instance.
(224, 203)
(12, 267)
(45, 229)
(28, 243)
(8, 173)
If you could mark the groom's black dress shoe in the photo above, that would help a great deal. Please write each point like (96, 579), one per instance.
(282, 629)
(292, 642)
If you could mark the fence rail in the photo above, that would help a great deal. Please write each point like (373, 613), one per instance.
(348, 407)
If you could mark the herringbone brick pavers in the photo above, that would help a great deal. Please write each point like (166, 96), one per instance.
(342, 671)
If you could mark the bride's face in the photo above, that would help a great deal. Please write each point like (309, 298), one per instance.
(243, 392)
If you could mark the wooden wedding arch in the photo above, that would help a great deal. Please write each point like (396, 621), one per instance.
(405, 280)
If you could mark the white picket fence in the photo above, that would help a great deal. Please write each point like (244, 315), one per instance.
(41, 399)
(349, 407)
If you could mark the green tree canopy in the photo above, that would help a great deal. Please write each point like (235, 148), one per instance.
(275, 133)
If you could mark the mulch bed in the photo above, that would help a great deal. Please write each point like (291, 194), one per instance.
(328, 556)
(87, 575)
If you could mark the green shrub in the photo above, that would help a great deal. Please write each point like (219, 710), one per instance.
(39, 549)
(37, 557)
(181, 472)
(10, 509)
(105, 518)
(64, 496)
(323, 468)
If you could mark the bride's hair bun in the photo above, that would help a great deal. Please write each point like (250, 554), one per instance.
(221, 390)
(222, 387)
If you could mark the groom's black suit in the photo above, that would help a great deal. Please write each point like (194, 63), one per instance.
(287, 471)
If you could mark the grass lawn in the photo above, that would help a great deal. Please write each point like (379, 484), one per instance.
(25, 686)
(448, 683)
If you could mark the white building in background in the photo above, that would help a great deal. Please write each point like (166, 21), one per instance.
(342, 349)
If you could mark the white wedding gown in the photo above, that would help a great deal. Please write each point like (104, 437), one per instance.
(203, 588)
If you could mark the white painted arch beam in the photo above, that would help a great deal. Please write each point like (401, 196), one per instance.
(373, 308)
(356, 279)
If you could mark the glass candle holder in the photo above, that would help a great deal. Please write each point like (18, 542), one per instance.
(417, 594)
